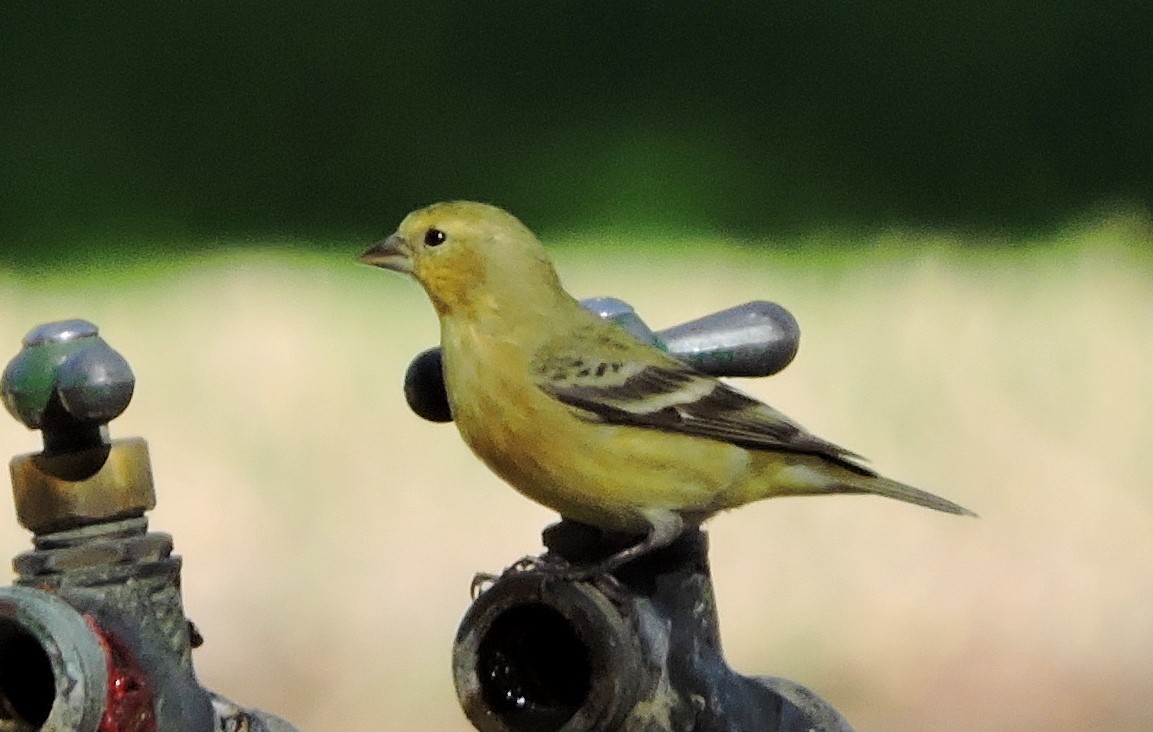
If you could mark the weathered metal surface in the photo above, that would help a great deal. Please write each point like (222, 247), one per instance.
(53, 674)
(63, 490)
(93, 637)
(636, 651)
(231, 717)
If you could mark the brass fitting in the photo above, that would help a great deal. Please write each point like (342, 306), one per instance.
(56, 492)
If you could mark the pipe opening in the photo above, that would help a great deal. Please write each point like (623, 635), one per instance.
(27, 682)
(533, 668)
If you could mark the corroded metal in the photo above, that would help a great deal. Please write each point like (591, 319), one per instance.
(93, 637)
(230, 717)
(635, 651)
(52, 668)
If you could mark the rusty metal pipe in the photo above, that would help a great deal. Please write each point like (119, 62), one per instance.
(93, 636)
(52, 666)
(635, 651)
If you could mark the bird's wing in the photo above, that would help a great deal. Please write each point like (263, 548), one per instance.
(622, 386)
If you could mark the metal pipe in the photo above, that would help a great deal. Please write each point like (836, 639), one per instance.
(638, 650)
(52, 666)
(93, 636)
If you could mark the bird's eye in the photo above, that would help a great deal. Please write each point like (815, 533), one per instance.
(434, 237)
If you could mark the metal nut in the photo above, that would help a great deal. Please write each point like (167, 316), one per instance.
(62, 491)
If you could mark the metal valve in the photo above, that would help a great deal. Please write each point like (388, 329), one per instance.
(93, 635)
(68, 383)
(754, 339)
(757, 338)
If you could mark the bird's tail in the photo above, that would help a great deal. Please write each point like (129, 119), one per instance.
(892, 489)
(819, 474)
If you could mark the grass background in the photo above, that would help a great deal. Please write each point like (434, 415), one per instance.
(329, 535)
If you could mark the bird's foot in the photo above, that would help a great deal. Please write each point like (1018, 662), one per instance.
(597, 574)
(552, 567)
(481, 581)
(547, 564)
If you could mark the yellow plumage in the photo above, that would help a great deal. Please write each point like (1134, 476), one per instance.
(576, 414)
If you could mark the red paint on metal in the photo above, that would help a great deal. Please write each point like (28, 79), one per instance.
(130, 705)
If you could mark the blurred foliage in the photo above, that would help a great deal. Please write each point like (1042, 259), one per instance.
(183, 122)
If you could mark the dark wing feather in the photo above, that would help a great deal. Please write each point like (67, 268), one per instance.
(673, 397)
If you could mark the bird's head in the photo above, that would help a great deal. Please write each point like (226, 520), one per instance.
(464, 254)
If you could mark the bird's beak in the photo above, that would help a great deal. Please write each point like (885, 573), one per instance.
(391, 253)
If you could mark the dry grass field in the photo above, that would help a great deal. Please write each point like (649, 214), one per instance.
(329, 535)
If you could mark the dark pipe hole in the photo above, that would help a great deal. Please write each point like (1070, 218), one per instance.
(534, 671)
(27, 684)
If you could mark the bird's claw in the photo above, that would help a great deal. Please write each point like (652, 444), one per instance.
(481, 581)
(551, 566)
(526, 564)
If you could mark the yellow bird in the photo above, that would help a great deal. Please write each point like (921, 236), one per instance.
(581, 417)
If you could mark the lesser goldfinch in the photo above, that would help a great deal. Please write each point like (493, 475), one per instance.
(578, 415)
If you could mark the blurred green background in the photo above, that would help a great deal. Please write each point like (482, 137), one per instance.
(201, 119)
(952, 200)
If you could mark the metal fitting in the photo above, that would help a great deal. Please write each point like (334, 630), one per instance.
(60, 491)
(68, 383)
(537, 654)
(757, 338)
(93, 637)
(635, 651)
(53, 674)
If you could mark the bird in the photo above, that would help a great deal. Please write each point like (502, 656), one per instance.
(578, 415)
